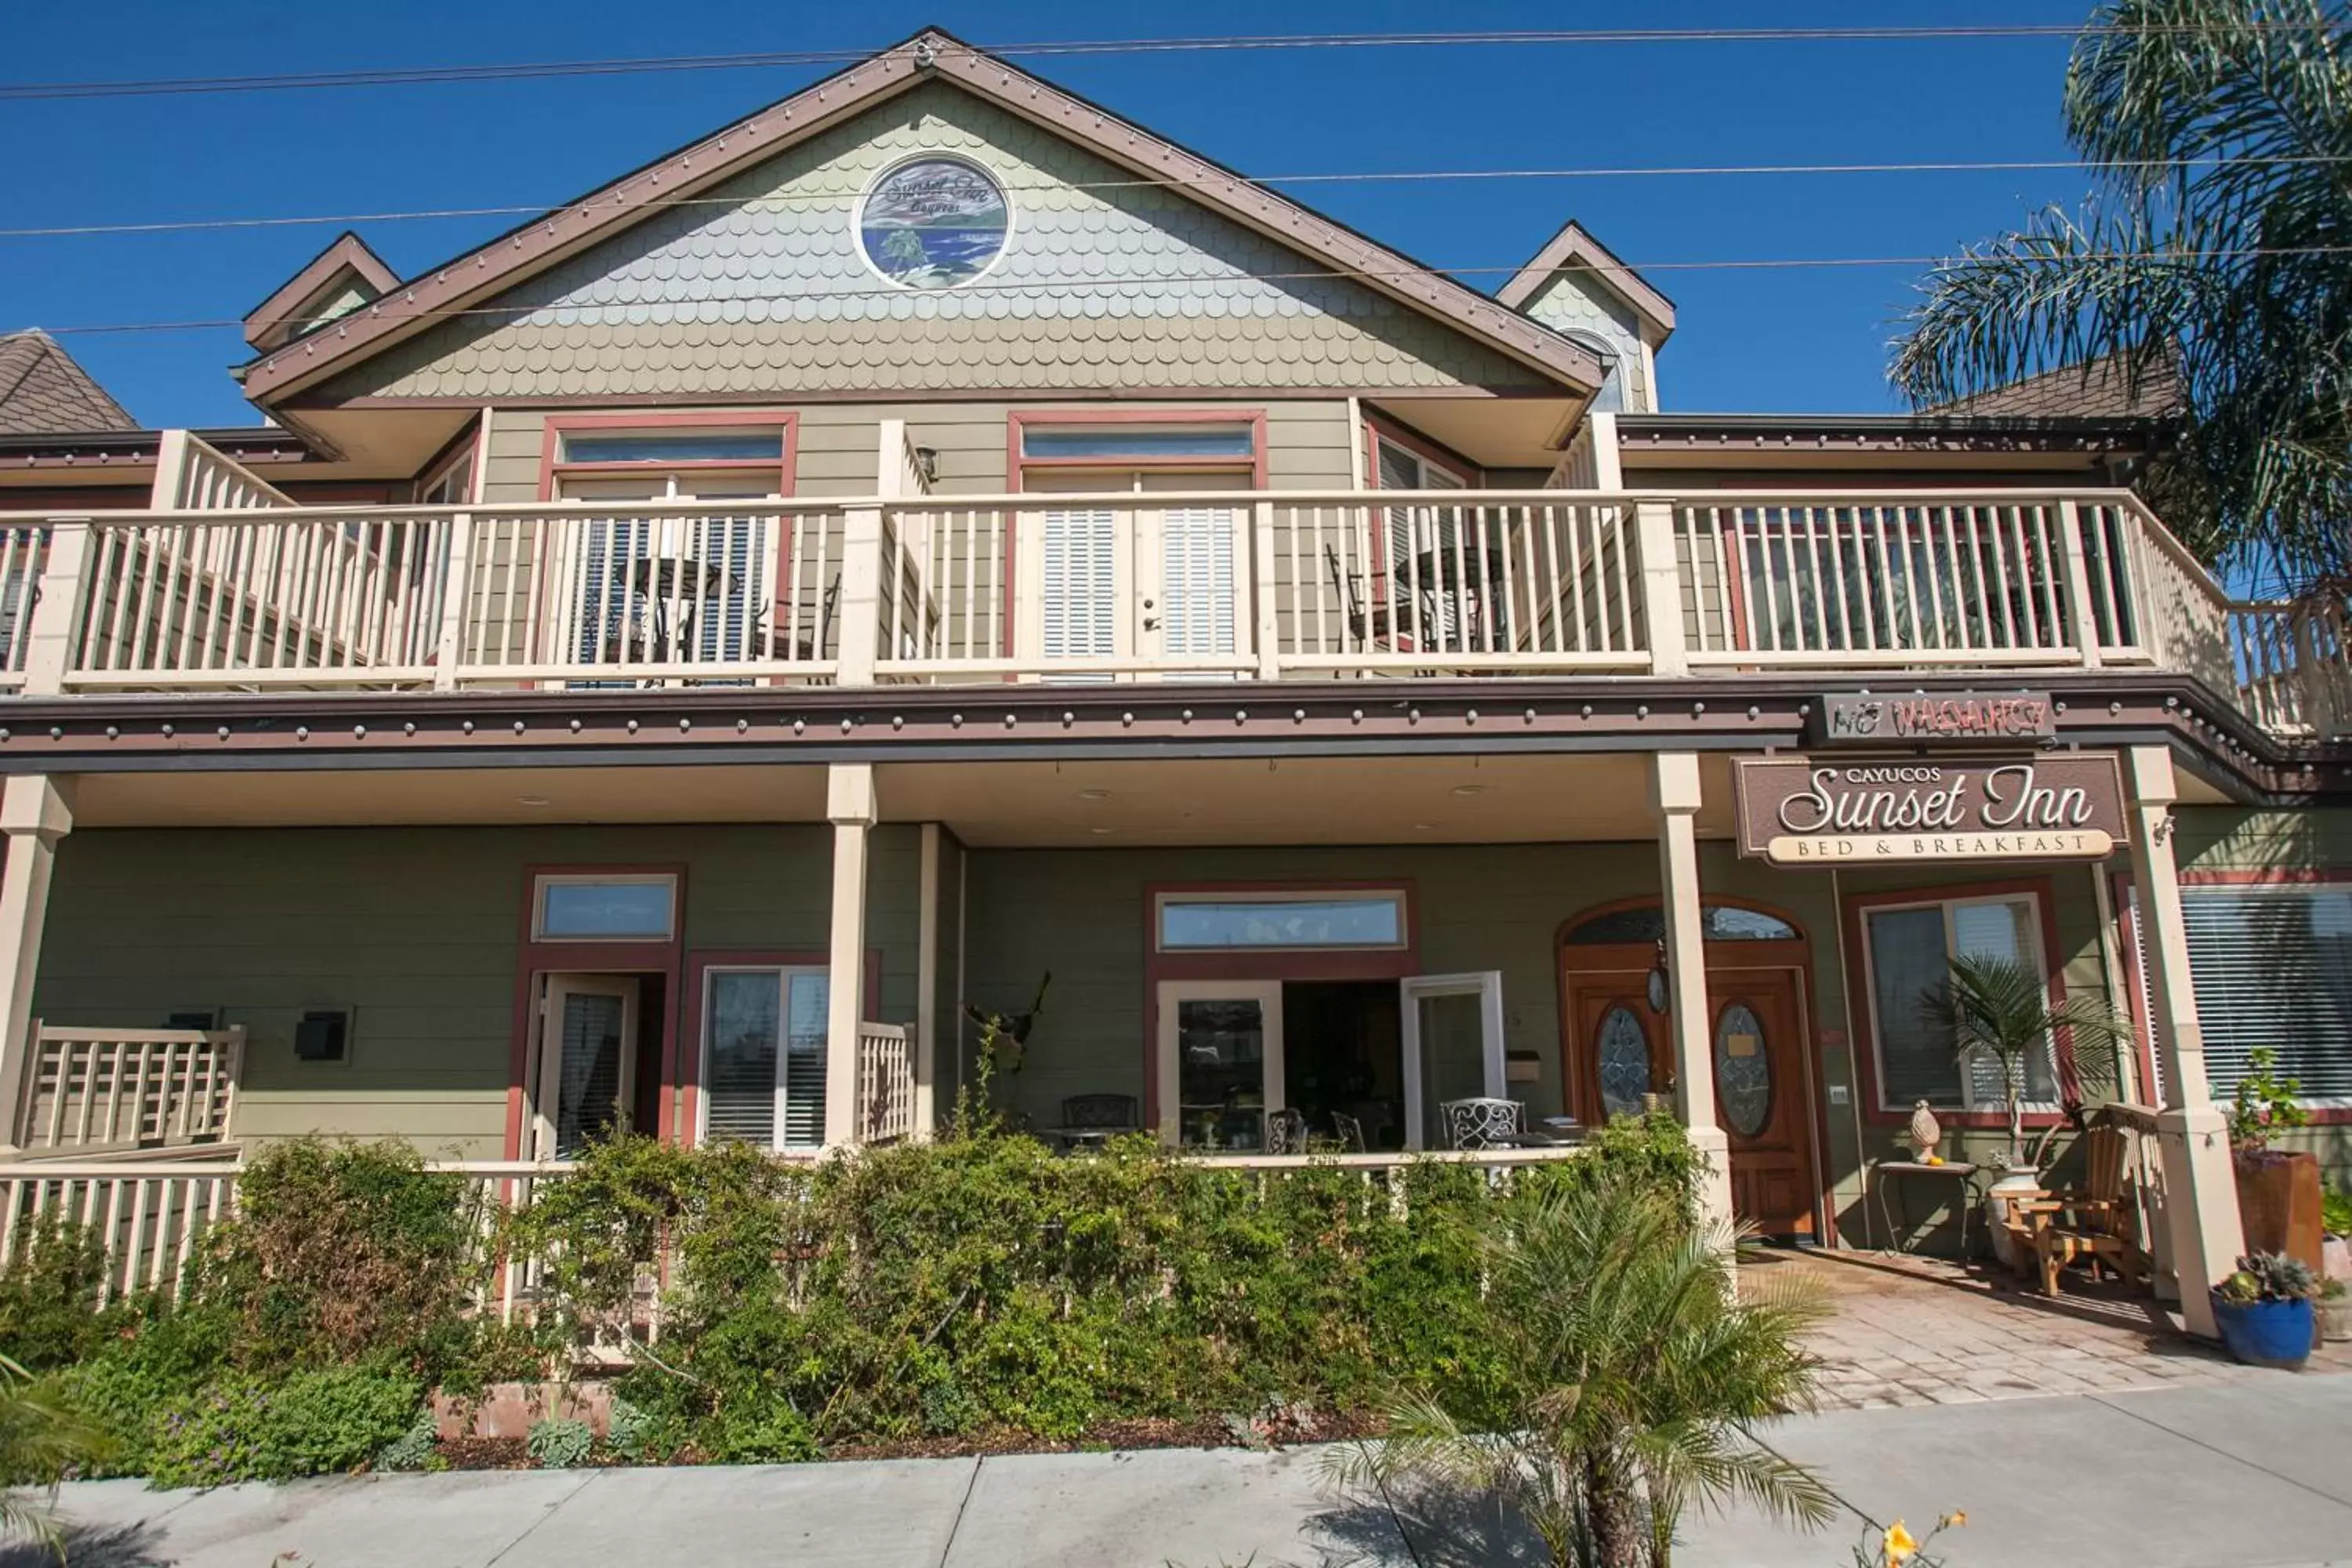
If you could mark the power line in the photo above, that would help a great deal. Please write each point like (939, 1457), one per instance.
(780, 199)
(542, 70)
(984, 286)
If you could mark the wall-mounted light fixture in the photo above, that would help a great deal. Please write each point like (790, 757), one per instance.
(1662, 990)
(926, 463)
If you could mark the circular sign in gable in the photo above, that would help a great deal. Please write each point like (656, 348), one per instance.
(933, 222)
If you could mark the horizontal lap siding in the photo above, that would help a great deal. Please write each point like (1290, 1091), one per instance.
(415, 931)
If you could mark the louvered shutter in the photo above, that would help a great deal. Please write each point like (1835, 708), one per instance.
(1078, 557)
(1197, 581)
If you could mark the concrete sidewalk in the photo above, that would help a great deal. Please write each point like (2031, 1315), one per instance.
(2248, 1474)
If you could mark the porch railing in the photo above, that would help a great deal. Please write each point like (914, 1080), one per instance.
(1157, 585)
(885, 1084)
(90, 1090)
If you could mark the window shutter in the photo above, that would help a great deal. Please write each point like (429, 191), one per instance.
(1079, 562)
(1197, 574)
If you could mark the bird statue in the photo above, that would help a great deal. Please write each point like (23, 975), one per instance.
(1004, 1036)
(1926, 1132)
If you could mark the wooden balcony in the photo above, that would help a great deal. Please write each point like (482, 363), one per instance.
(240, 594)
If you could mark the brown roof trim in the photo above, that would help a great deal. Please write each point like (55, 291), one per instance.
(246, 444)
(1573, 246)
(929, 54)
(1877, 433)
(348, 253)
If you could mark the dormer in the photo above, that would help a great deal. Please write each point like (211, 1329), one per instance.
(1579, 290)
(340, 279)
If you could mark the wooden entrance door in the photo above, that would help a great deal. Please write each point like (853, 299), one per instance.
(1620, 1050)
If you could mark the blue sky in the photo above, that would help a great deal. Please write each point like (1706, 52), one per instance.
(1750, 340)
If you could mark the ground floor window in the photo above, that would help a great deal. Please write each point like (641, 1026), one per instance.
(2272, 965)
(1909, 949)
(764, 1067)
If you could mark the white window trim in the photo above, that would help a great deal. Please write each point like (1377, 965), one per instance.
(1162, 902)
(784, 974)
(544, 881)
(2036, 951)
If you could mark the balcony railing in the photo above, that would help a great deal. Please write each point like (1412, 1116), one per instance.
(885, 1084)
(1158, 586)
(109, 1091)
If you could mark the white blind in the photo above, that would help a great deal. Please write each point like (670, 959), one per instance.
(1197, 570)
(2147, 998)
(1079, 561)
(764, 1067)
(807, 995)
(2272, 965)
(589, 1087)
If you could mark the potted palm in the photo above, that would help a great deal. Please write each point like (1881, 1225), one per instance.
(2000, 1009)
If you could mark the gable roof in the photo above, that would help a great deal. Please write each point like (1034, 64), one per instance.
(1574, 247)
(931, 54)
(2098, 389)
(346, 262)
(43, 392)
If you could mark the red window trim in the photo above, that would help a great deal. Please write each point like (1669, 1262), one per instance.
(699, 964)
(535, 959)
(1265, 963)
(2144, 1038)
(1862, 1016)
(552, 435)
(462, 451)
(1380, 427)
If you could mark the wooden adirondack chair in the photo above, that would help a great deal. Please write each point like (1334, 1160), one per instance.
(2054, 1228)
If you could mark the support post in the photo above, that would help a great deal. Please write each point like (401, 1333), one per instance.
(927, 987)
(2079, 603)
(1674, 799)
(55, 620)
(849, 802)
(456, 602)
(36, 811)
(861, 595)
(169, 491)
(2200, 1183)
(1267, 625)
(1662, 588)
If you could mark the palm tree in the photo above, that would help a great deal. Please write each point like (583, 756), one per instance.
(1638, 1370)
(2214, 250)
(41, 1438)
(2002, 1008)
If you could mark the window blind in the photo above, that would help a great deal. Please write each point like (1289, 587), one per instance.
(2272, 965)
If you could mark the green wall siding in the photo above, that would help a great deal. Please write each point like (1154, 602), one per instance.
(414, 930)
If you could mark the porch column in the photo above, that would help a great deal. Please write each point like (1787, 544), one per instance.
(36, 811)
(1673, 796)
(849, 802)
(2200, 1190)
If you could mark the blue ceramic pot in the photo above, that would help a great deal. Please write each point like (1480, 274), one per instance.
(2265, 1333)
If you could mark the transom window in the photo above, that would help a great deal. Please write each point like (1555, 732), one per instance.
(1213, 923)
(1137, 443)
(750, 444)
(1910, 950)
(1647, 923)
(605, 908)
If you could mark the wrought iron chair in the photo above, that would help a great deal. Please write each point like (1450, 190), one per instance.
(1286, 1132)
(1349, 1131)
(1100, 1112)
(810, 645)
(1484, 1124)
(1367, 623)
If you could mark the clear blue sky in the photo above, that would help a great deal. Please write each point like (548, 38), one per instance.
(1757, 341)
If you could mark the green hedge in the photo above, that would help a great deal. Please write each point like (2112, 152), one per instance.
(977, 1283)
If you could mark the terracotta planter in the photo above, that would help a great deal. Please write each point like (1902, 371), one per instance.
(2278, 1203)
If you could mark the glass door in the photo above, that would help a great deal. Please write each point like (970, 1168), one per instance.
(1452, 1049)
(587, 1077)
(1219, 1049)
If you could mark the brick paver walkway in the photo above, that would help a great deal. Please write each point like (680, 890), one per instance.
(1911, 1331)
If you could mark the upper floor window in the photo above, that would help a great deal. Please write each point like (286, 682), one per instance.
(749, 445)
(605, 907)
(1197, 922)
(1611, 398)
(1402, 467)
(1909, 949)
(1121, 444)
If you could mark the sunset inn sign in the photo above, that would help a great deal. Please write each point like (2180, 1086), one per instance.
(1800, 812)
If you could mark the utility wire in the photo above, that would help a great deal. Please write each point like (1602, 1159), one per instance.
(984, 286)
(533, 71)
(782, 199)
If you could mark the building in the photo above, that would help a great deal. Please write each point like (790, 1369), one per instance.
(932, 534)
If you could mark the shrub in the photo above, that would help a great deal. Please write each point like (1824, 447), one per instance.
(634, 1433)
(49, 1297)
(309, 1423)
(559, 1442)
(418, 1449)
(2335, 1212)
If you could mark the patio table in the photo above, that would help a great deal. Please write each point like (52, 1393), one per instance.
(1960, 1171)
(1076, 1138)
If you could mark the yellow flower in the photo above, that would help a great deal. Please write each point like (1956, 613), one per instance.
(1900, 1545)
(1953, 1519)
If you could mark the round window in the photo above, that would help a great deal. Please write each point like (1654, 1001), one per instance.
(1743, 1073)
(933, 222)
(1623, 1047)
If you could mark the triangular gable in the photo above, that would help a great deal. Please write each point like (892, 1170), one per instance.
(338, 281)
(1574, 250)
(443, 302)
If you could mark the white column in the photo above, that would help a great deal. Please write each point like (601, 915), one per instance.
(2201, 1184)
(36, 811)
(1673, 796)
(849, 802)
(927, 986)
(1662, 588)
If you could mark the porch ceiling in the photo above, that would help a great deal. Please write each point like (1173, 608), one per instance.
(487, 797)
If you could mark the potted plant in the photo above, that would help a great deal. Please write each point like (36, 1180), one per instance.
(2001, 1008)
(2334, 1312)
(2264, 1309)
(2280, 1201)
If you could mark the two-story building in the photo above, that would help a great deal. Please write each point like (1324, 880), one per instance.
(656, 668)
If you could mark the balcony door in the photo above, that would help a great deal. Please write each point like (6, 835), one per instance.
(1122, 584)
(584, 1084)
(1221, 1066)
(1452, 1049)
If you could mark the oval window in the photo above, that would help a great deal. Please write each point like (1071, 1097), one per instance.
(933, 222)
(1743, 1072)
(1624, 1048)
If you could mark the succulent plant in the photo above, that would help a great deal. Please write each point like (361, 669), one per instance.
(2269, 1277)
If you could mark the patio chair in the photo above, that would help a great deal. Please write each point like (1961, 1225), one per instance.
(1286, 1132)
(1483, 1123)
(1367, 624)
(810, 645)
(1349, 1131)
(2093, 1224)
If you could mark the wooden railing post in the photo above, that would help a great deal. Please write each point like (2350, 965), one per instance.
(456, 602)
(861, 595)
(2079, 603)
(1268, 625)
(850, 804)
(56, 620)
(1662, 588)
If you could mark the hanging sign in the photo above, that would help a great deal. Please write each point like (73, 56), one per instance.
(1928, 718)
(1804, 811)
